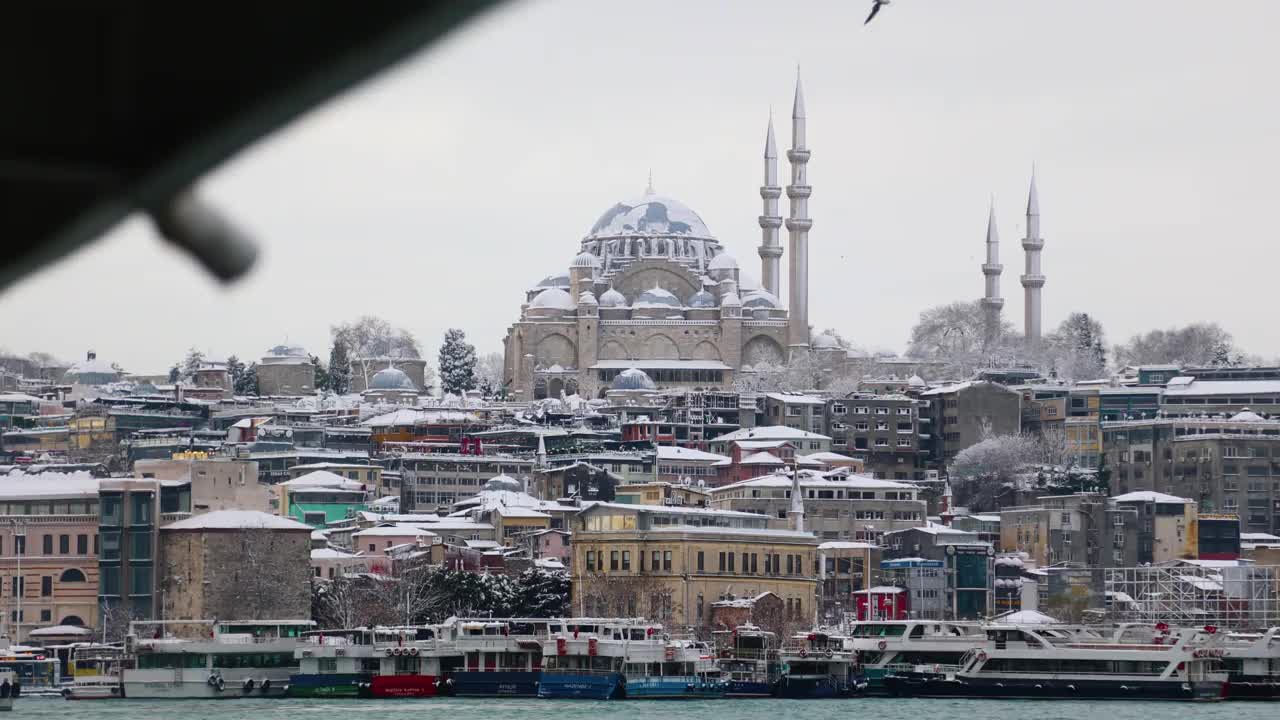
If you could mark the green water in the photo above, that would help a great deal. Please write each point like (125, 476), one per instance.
(531, 709)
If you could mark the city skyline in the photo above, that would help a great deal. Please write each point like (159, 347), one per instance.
(418, 199)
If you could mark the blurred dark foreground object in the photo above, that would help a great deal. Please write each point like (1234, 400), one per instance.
(112, 107)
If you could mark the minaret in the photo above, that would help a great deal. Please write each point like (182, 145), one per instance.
(1033, 281)
(770, 221)
(798, 224)
(796, 513)
(991, 269)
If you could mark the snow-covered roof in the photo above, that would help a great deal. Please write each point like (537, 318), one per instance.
(723, 261)
(846, 545)
(1225, 387)
(48, 485)
(322, 479)
(393, 531)
(413, 416)
(651, 214)
(553, 299)
(769, 432)
(674, 509)
(761, 458)
(1259, 537)
(812, 480)
(1247, 415)
(672, 452)
(60, 630)
(826, 457)
(660, 365)
(1150, 496)
(549, 563)
(520, 512)
(18, 397)
(1026, 617)
(237, 520)
(331, 554)
(713, 529)
(795, 398)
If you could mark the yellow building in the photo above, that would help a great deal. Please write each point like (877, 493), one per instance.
(662, 493)
(671, 563)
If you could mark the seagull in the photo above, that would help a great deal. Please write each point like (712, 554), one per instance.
(875, 9)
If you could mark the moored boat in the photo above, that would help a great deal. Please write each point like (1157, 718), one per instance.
(817, 665)
(1252, 664)
(748, 660)
(413, 663)
(886, 647)
(334, 663)
(1078, 663)
(498, 657)
(95, 672)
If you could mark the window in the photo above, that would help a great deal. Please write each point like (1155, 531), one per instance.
(666, 560)
(882, 411)
(46, 615)
(46, 586)
(139, 580)
(626, 559)
(613, 559)
(731, 557)
(723, 566)
(904, 411)
(110, 546)
(140, 545)
(862, 426)
(861, 410)
(46, 547)
(882, 425)
(140, 508)
(64, 544)
(838, 409)
(882, 442)
(72, 575)
(655, 565)
(700, 561)
(790, 564)
(904, 442)
(19, 586)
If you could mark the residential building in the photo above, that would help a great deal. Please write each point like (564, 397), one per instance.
(794, 410)
(48, 551)
(802, 441)
(662, 493)
(967, 572)
(433, 480)
(673, 563)
(320, 497)
(676, 464)
(883, 431)
(1082, 529)
(235, 565)
(332, 563)
(963, 414)
(1168, 526)
(684, 417)
(1128, 403)
(1219, 537)
(1189, 394)
(838, 506)
(130, 512)
(986, 526)
(212, 482)
(286, 370)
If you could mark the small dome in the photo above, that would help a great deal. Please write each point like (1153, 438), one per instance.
(503, 482)
(760, 299)
(633, 379)
(391, 379)
(915, 381)
(702, 299)
(288, 351)
(747, 283)
(657, 297)
(553, 298)
(826, 341)
(612, 298)
(731, 300)
(558, 280)
(586, 298)
(1247, 415)
(585, 259)
(723, 261)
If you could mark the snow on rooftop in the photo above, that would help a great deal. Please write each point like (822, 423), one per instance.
(795, 398)
(398, 530)
(846, 545)
(1150, 496)
(1225, 387)
(323, 479)
(672, 452)
(826, 457)
(713, 529)
(813, 480)
(331, 554)
(48, 485)
(237, 520)
(769, 432)
(761, 458)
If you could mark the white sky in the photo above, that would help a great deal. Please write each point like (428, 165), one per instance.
(433, 196)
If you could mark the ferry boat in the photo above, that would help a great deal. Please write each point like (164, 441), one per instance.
(413, 662)
(38, 674)
(334, 663)
(499, 657)
(95, 672)
(749, 660)
(817, 665)
(885, 647)
(253, 658)
(615, 659)
(1252, 664)
(1034, 662)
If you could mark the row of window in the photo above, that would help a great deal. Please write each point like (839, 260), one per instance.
(661, 561)
(18, 585)
(838, 409)
(47, 544)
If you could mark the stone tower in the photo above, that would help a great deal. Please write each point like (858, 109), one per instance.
(770, 221)
(798, 224)
(1033, 281)
(991, 269)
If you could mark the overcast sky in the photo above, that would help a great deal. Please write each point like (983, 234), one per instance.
(434, 195)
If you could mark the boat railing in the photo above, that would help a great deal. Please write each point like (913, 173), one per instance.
(497, 668)
(921, 667)
(745, 654)
(577, 671)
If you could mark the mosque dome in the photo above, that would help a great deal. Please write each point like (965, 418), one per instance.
(657, 297)
(585, 259)
(612, 298)
(651, 214)
(288, 351)
(702, 299)
(760, 299)
(723, 261)
(915, 381)
(633, 379)
(391, 379)
(91, 371)
(503, 482)
(586, 298)
(560, 280)
(553, 298)
(825, 341)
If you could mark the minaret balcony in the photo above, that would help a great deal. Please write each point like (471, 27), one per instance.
(770, 221)
(770, 192)
(995, 303)
(1032, 281)
(799, 191)
(799, 223)
(1032, 243)
(992, 268)
(770, 251)
(798, 155)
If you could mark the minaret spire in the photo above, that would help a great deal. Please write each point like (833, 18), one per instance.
(798, 224)
(796, 513)
(1033, 280)
(648, 189)
(770, 249)
(991, 269)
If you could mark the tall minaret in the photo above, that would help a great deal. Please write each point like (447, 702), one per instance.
(796, 513)
(770, 221)
(798, 224)
(1033, 281)
(991, 269)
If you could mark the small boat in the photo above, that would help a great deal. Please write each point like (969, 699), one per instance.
(688, 670)
(886, 647)
(817, 665)
(749, 660)
(499, 657)
(412, 663)
(38, 673)
(1252, 664)
(251, 658)
(95, 672)
(334, 663)
(1040, 662)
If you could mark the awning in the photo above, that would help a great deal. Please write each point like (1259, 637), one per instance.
(660, 365)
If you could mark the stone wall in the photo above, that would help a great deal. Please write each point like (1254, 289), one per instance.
(236, 574)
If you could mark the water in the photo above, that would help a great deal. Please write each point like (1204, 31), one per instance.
(532, 709)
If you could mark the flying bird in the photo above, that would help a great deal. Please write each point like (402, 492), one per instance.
(875, 9)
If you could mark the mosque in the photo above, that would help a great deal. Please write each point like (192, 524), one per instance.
(652, 289)
(653, 300)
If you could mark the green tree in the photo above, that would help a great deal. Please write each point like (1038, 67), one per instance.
(235, 369)
(248, 382)
(457, 363)
(321, 374)
(339, 368)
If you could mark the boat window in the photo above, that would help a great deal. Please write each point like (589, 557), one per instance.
(917, 632)
(251, 660)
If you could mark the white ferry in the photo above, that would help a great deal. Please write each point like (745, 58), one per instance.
(1252, 663)
(886, 647)
(95, 672)
(818, 665)
(414, 662)
(1036, 662)
(253, 658)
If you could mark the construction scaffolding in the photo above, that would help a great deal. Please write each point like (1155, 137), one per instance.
(1237, 597)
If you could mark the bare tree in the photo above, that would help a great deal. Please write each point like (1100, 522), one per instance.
(626, 596)
(371, 338)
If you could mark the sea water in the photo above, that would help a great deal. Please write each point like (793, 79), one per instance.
(533, 709)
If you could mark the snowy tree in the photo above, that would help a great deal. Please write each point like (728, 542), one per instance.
(339, 369)
(321, 379)
(345, 602)
(491, 375)
(1076, 350)
(602, 594)
(981, 471)
(457, 363)
(191, 363)
(235, 369)
(1198, 344)
(175, 374)
(247, 383)
(371, 338)
(958, 335)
